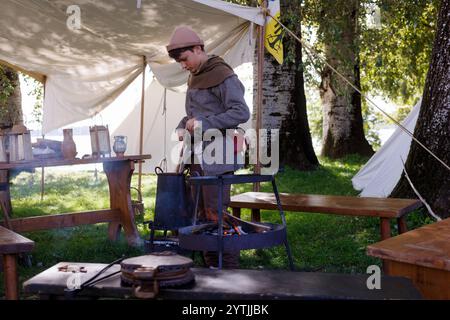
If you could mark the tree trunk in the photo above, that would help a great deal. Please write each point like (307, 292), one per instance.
(343, 131)
(429, 177)
(284, 102)
(11, 98)
(10, 114)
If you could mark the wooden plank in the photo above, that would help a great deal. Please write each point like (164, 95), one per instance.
(427, 246)
(64, 220)
(235, 284)
(69, 162)
(343, 205)
(11, 242)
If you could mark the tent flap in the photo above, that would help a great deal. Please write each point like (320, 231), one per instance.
(379, 176)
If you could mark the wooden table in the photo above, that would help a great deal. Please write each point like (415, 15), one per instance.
(383, 208)
(235, 284)
(423, 255)
(11, 244)
(118, 170)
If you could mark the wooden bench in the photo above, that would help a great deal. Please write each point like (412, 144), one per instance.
(384, 208)
(11, 244)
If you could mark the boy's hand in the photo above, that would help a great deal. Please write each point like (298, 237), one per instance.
(190, 125)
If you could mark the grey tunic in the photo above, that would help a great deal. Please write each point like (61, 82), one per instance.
(220, 107)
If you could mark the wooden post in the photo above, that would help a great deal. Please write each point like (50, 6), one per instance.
(43, 137)
(42, 183)
(141, 136)
(261, 33)
(11, 277)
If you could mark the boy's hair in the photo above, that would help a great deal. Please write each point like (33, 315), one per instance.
(176, 53)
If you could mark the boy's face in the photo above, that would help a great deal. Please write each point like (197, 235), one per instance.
(191, 60)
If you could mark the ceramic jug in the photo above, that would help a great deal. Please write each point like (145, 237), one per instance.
(68, 148)
(120, 145)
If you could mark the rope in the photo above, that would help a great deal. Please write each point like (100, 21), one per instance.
(163, 162)
(308, 47)
(418, 194)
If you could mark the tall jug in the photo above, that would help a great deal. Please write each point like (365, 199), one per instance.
(68, 148)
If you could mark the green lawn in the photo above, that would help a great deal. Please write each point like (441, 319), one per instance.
(319, 242)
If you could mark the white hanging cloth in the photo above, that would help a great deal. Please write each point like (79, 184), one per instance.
(378, 177)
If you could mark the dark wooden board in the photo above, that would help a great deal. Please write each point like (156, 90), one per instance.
(235, 284)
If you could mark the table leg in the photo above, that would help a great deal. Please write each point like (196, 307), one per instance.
(11, 278)
(387, 267)
(256, 215)
(401, 223)
(237, 212)
(385, 228)
(119, 179)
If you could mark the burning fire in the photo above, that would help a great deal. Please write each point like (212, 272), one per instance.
(232, 226)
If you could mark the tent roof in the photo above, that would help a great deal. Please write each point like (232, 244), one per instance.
(87, 69)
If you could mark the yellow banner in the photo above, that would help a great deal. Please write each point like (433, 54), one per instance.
(274, 32)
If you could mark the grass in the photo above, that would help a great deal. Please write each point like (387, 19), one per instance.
(319, 242)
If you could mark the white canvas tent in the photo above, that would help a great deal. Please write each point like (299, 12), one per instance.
(85, 70)
(378, 177)
(160, 139)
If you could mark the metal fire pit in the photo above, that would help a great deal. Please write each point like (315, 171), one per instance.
(277, 234)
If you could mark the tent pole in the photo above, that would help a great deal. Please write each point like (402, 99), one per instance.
(261, 33)
(141, 137)
(44, 81)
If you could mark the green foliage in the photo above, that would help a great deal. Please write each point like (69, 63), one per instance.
(372, 121)
(36, 91)
(402, 112)
(395, 57)
(6, 86)
(6, 90)
(328, 25)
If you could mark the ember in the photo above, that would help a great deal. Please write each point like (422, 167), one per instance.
(231, 226)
